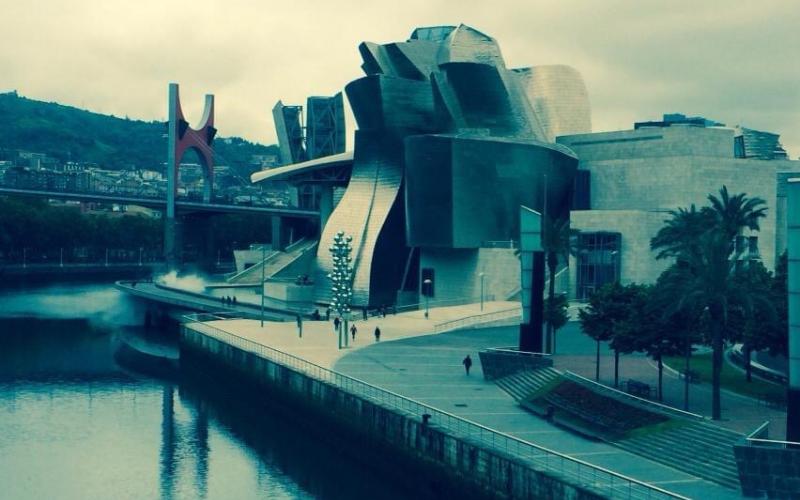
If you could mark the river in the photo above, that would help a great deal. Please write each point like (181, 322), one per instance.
(77, 423)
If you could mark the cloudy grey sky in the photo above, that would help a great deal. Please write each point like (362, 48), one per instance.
(735, 62)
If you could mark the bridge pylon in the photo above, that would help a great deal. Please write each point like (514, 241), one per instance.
(180, 138)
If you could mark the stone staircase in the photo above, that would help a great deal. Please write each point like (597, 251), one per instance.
(697, 448)
(522, 384)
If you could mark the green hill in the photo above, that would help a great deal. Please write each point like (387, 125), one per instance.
(69, 133)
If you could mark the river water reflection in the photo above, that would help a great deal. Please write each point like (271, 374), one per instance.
(75, 423)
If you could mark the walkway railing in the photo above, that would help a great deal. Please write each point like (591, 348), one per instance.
(759, 437)
(477, 319)
(620, 395)
(573, 470)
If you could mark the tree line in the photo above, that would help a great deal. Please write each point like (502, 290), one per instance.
(33, 229)
(713, 293)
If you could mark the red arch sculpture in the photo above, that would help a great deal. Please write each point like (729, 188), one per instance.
(180, 138)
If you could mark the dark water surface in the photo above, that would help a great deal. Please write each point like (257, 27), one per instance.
(76, 423)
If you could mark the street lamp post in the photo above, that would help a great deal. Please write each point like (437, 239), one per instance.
(263, 258)
(427, 284)
(24, 257)
(61, 257)
(482, 275)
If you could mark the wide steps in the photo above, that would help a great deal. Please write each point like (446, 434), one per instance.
(522, 384)
(702, 453)
(699, 449)
(723, 478)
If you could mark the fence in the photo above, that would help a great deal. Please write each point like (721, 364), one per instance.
(624, 396)
(760, 437)
(477, 319)
(572, 470)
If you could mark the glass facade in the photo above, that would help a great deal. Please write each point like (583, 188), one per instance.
(598, 261)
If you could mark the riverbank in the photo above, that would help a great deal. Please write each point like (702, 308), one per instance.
(419, 373)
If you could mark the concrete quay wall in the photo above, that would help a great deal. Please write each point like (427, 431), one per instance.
(460, 462)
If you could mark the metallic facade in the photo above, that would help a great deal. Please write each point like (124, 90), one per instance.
(289, 127)
(450, 144)
(559, 99)
(325, 131)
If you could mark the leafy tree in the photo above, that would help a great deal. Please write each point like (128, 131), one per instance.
(627, 335)
(555, 314)
(706, 265)
(607, 307)
(558, 241)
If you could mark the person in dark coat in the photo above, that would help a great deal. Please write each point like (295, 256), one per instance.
(328, 314)
(467, 362)
(364, 312)
(336, 323)
(353, 331)
(377, 334)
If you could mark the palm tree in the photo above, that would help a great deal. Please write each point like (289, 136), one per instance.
(558, 242)
(703, 243)
(681, 232)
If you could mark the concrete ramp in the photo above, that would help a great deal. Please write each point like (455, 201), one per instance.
(275, 263)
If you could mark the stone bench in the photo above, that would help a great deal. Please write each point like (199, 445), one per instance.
(637, 388)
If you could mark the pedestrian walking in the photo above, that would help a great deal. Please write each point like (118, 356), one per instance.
(377, 334)
(383, 311)
(353, 331)
(364, 312)
(467, 362)
(300, 326)
(336, 322)
(328, 314)
(234, 300)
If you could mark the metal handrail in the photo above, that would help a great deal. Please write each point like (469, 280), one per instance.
(758, 431)
(451, 302)
(772, 442)
(637, 399)
(512, 350)
(470, 320)
(585, 474)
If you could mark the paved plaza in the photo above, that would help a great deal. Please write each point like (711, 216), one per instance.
(413, 361)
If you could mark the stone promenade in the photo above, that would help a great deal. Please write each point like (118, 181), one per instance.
(413, 361)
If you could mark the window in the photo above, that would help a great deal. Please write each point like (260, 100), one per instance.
(598, 261)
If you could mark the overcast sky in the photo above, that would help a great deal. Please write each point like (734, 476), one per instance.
(734, 62)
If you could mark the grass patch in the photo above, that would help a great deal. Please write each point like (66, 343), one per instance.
(730, 378)
(655, 428)
(545, 389)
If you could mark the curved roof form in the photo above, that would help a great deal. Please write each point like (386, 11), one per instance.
(305, 167)
(559, 99)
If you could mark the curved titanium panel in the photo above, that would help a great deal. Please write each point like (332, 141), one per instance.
(466, 44)
(362, 213)
(559, 99)
(463, 191)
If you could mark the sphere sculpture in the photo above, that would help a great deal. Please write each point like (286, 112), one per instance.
(341, 278)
